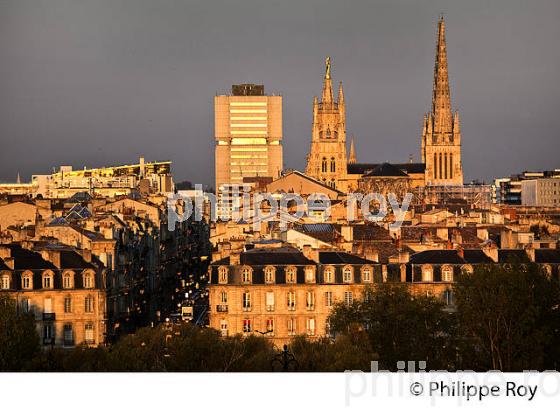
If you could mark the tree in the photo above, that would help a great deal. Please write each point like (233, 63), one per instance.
(399, 326)
(509, 317)
(19, 342)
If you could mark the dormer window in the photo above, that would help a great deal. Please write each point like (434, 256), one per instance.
(427, 273)
(246, 273)
(447, 273)
(328, 274)
(88, 280)
(27, 280)
(366, 274)
(223, 275)
(310, 274)
(291, 274)
(347, 274)
(5, 281)
(48, 280)
(68, 280)
(269, 274)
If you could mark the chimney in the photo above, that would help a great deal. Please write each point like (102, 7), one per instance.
(461, 252)
(51, 256)
(371, 254)
(347, 233)
(530, 253)
(404, 257)
(235, 258)
(5, 252)
(310, 253)
(491, 250)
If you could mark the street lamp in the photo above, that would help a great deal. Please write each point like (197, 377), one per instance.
(286, 360)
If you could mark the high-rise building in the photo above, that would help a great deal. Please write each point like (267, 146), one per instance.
(441, 134)
(327, 160)
(248, 132)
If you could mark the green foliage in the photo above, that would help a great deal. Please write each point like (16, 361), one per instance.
(399, 326)
(509, 318)
(19, 343)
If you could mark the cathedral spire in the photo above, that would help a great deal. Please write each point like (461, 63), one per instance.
(352, 158)
(441, 98)
(327, 97)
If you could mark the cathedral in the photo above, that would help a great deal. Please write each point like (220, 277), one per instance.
(441, 164)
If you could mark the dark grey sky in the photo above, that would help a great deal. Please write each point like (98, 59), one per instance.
(100, 82)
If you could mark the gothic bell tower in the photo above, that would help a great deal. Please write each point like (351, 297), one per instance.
(441, 133)
(327, 160)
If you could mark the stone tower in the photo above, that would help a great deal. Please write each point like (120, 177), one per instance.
(441, 134)
(327, 160)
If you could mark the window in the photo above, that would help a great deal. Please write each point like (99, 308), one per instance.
(223, 327)
(291, 300)
(25, 305)
(88, 280)
(348, 298)
(329, 274)
(47, 281)
(328, 299)
(48, 332)
(47, 305)
(291, 274)
(310, 300)
(310, 327)
(333, 165)
(467, 269)
(67, 281)
(269, 301)
(447, 273)
(347, 274)
(68, 335)
(448, 297)
(27, 281)
(223, 297)
(269, 273)
(366, 274)
(291, 326)
(88, 304)
(427, 273)
(89, 336)
(247, 326)
(222, 274)
(5, 282)
(310, 274)
(246, 274)
(270, 326)
(246, 301)
(67, 304)
(324, 165)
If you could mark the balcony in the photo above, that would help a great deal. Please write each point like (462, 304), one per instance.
(270, 308)
(90, 341)
(49, 316)
(222, 308)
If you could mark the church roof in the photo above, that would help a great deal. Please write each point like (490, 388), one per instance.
(386, 170)
(409, 168)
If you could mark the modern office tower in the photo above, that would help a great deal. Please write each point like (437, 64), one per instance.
(248, 132)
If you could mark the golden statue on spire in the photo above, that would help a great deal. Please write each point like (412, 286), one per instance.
(328, 68)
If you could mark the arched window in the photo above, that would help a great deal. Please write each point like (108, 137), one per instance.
(447, 273)
(333, 165)
(5, 281)
(328, 274)
(269, 274)
(467, 269)
(291, 274)
(440, 166)
(324, 165)
(223, 274)
(88, 280)
(366, 273)
(68, 280)
(310, 274)
(347, 274)
(48, 280)
(246, 274)
(427, 273)
(27, 280)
